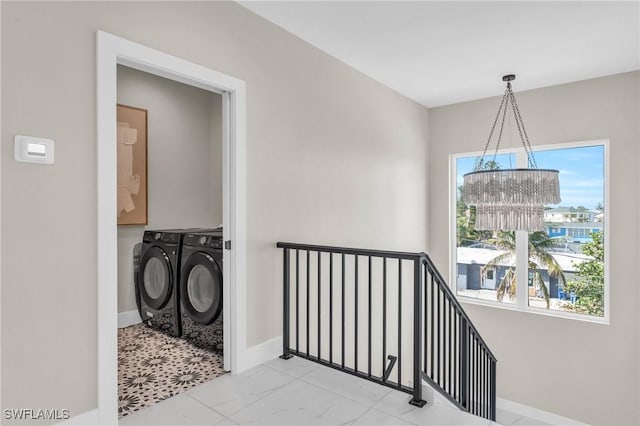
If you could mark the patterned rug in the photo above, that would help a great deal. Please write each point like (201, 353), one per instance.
(153, 366)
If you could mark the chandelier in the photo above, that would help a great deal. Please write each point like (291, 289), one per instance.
(510, 199)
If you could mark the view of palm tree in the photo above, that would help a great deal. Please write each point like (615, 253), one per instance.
(539, 258)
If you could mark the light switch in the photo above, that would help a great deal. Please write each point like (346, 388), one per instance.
(33, 150)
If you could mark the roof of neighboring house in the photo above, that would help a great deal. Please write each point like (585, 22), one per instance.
(480, 256)
(588, 225)
(569, 210)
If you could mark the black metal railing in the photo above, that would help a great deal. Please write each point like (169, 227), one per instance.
(456, 360)
(351, 312)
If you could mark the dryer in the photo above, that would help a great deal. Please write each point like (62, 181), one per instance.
(200, 289)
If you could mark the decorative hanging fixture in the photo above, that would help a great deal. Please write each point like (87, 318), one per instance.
(510, 199)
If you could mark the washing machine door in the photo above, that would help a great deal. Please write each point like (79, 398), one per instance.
(155, 278)
(201, 288)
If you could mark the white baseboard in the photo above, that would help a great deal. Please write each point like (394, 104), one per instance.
(535, 413)
(89, 418)
(261, 353)
(125, 319)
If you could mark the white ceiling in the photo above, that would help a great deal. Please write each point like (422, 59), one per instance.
(439, 53)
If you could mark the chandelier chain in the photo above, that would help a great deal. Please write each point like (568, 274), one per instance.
(480, 160)
(504, 116)
(508, 97)
(523, 133)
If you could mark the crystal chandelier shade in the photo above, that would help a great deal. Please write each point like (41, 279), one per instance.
(512, 186)
(510, 199)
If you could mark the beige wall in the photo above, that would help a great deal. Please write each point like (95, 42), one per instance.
(184, 154)
(578, 369)
(332, 156)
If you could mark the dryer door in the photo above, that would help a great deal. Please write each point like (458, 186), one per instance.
(155, 278)
(201, 288)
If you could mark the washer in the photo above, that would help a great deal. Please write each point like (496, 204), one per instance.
(201, 289)
(158, 275)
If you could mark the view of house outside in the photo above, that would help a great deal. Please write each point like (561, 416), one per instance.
(566, 260)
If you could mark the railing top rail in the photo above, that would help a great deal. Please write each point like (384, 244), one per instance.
(354, 251)
(442, 284)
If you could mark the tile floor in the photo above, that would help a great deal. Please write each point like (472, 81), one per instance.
(153, 366)
(299, 392)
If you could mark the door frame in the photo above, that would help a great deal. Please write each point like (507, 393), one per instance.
(112, 51)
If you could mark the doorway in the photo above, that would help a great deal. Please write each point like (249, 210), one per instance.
(113, 51)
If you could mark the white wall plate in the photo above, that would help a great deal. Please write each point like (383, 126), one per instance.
(31, 149)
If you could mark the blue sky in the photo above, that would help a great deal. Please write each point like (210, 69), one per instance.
(581, 172)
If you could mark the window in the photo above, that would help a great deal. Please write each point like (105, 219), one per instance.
(564, 265)
(579, 232)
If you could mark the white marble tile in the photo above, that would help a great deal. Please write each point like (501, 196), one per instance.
(527, 421)
(226, 422)
(396, 404)
(296, 366)
(374, 417)
(300, 403)
(506, 417)
(177, 410)
(358, 389)
(228, 394)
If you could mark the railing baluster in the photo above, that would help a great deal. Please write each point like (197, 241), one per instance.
(477, 377)
(450, 339)
(455, 357)
(481, 381)
(330, 308)
(384, 315)
(297, 300)
(343, 305)
(464, 363)
(486, 385)
(399, 322)
(308, 303)
(484, 382)
(438, 348)
(432, 322)
(474, 377)
(355, 340)
(445, 344)
(369, 318)
(493, 390)
(425, 318)
(319, 305)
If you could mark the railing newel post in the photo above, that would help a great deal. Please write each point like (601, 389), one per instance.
(286, 323)
(417, 334)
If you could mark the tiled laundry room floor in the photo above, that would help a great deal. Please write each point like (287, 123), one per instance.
(153, 366)
(296, 392)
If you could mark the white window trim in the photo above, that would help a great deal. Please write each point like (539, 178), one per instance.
(522, 297)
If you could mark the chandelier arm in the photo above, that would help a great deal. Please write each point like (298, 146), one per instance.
(478, 163)
(504, 116)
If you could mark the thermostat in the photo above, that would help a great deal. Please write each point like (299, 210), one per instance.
(33, 150)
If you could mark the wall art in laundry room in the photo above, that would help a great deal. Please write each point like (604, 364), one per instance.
(132, 165)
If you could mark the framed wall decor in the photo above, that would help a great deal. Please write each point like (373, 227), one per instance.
(132, 165)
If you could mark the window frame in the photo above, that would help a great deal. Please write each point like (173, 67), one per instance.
(522, 300)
